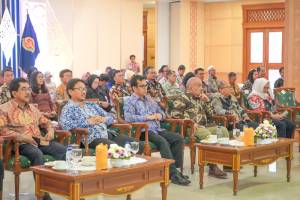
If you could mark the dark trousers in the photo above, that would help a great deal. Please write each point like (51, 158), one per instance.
(116, 138)
(34, 154)
(240, 125)
(170, 146)
(285, 128)
(1, 176)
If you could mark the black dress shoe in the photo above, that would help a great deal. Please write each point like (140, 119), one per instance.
(178, 180)
(47, 196)
(184, 176)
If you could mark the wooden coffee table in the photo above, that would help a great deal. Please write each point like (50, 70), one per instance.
(114, 181)
(235, 157)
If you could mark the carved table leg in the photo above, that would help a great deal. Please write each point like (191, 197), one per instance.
(255, 171)
(164, 190)
(288, 168)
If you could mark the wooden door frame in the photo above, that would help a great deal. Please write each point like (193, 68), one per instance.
(250, 25)
(145, 30)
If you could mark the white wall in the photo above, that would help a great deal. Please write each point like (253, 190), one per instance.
(163, 34)
(99, 33)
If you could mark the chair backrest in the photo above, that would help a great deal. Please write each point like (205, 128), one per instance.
(245, 102)
(285, 97)
(119, 106)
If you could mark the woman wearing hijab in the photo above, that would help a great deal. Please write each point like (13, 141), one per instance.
(94, 92)
(252, 76)
(261, 100)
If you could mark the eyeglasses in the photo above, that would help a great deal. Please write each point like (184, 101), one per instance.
(81, 89)
(26, 90)
(143, 86)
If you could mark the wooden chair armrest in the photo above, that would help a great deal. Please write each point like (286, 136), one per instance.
(220, 118)
(122, 127)
(7, 137)
(82, 132)
(13, 144)
(62, 135)
(174, 123)
(140, 124)
(253, 114)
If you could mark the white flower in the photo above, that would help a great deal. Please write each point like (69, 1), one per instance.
(116, 155)
(266, 122)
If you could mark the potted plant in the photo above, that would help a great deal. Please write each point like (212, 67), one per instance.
(265, 133)
(118, 155)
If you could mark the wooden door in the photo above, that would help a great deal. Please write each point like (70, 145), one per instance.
(263, 45)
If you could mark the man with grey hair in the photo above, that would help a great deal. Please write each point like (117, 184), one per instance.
(212, 81)
(195, 105)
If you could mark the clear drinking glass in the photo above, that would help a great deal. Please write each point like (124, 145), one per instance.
(134, 146)
(76, 157)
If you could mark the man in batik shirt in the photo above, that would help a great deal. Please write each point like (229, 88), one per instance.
(119, 89)
(154, 88)
(8, 76)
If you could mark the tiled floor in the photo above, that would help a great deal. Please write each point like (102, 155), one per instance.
(267, 186)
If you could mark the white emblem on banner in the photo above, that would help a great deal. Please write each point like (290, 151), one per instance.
(8, 35)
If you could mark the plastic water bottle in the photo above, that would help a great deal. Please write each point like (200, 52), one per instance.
(127, 147)
(219, 132)
(68, 157)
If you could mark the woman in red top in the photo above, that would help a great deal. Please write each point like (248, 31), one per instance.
(41, 95)
(261, 100)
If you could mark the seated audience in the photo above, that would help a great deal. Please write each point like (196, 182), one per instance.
(261, 72)
(108, 69)
(41, 96)
(162, 78)
(280, 82)
(94, 92)
(140, 108)
(212, 81)
(24, 120)
(180, 75)
(85, 76)
(171, 87)
(187, 77)
(119, 89)
(247, 87)
(104, 91)
(133, 65)
(154, 88)
(261, 100)
(199, 72)
(195, 105)
(235, 89)
(111, 81)
(80, 114)
(50, 85)
(7, 75)
(224, 103)
(61, 92)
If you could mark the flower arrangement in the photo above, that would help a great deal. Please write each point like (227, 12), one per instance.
(266, 130)
(117, 152)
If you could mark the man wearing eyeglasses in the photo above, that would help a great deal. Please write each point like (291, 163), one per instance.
(154, 88)
(141, 108)
(23, 120)
(80, 114)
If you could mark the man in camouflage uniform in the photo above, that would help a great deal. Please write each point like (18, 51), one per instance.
(171, 88)
(224, 103)
(212, 81)
(154, 88)
(195, 105)
(8, 76)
